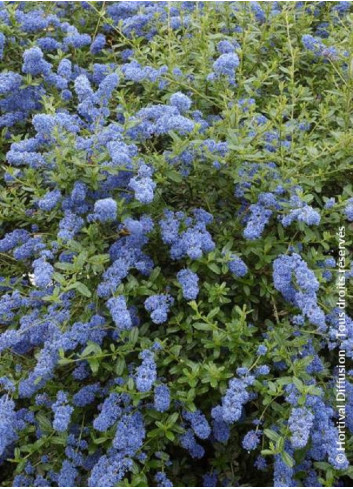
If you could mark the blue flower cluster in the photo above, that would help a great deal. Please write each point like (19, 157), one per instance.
(302, 291)
(110, 412)
(251, 440)
(226, 65)
(289, 210)
(199, 424)
(300, 423)
(119, 312)
(237, 266)
(143, 185)
(161, 398)
(192, 242)
(7, 423)
(349, 209)
(235, 397)
(158, 306)
(162, 480)
(146, 374)
(105, 210)
(189, 283)
(318, 48)
(62, 412)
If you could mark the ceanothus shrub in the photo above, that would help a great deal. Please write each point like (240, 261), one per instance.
(174, 181)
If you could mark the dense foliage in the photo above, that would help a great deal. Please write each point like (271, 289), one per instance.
(173, 179)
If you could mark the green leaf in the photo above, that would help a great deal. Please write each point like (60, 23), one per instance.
(100, 440)
(82, 289)
(170, 435)
(214, 267)
(287, 459)
(91, 348)
(58, 277)
(213, 313)
(130, 384)
(202, 326)
(44, 422)
(94, 364)
(99, 259)
(172, 418)
(133, 335)
(174, 176)
(67, 267)
(272, 435)
(120, 366)
(80, 260)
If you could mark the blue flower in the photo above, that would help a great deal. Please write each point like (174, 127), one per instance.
(237, 266)
(75, 39)
(258, 11)
(13, 239)
(349, 209)
(188, 441)
(330, 203)
(62, 412)
(312, 44)
(109, 470)
(304, 214)
(262, 350)
(119, 312)
(177, 123)
(180, 101)
(330, 262)
(7, 422)
(210, 480)
(7, 384)
(43, 272)
(106, 87)
(143, 185)
(300, 423)
(109, 413)
(158, 306)
(260, 463)
(50, 200)
(83, 88)
(189, 283)
(34, 63)
(235, 397)
(161, 398)
(324, 434)
(67, 475)
(9, 82)
(69, 226)
(146, 374)
(2, 44)
(130, 433)
(98, 44)
(162, 480)
(49, 44)
(86, 395)
(220, 428)
(283, 473)
(251, 440)
(199, 423)
(226, 65)
(318, 48)
(257, 220)
(285, 268)
(192, 242)
(224, 47)
(65, 69)
(105, 210)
